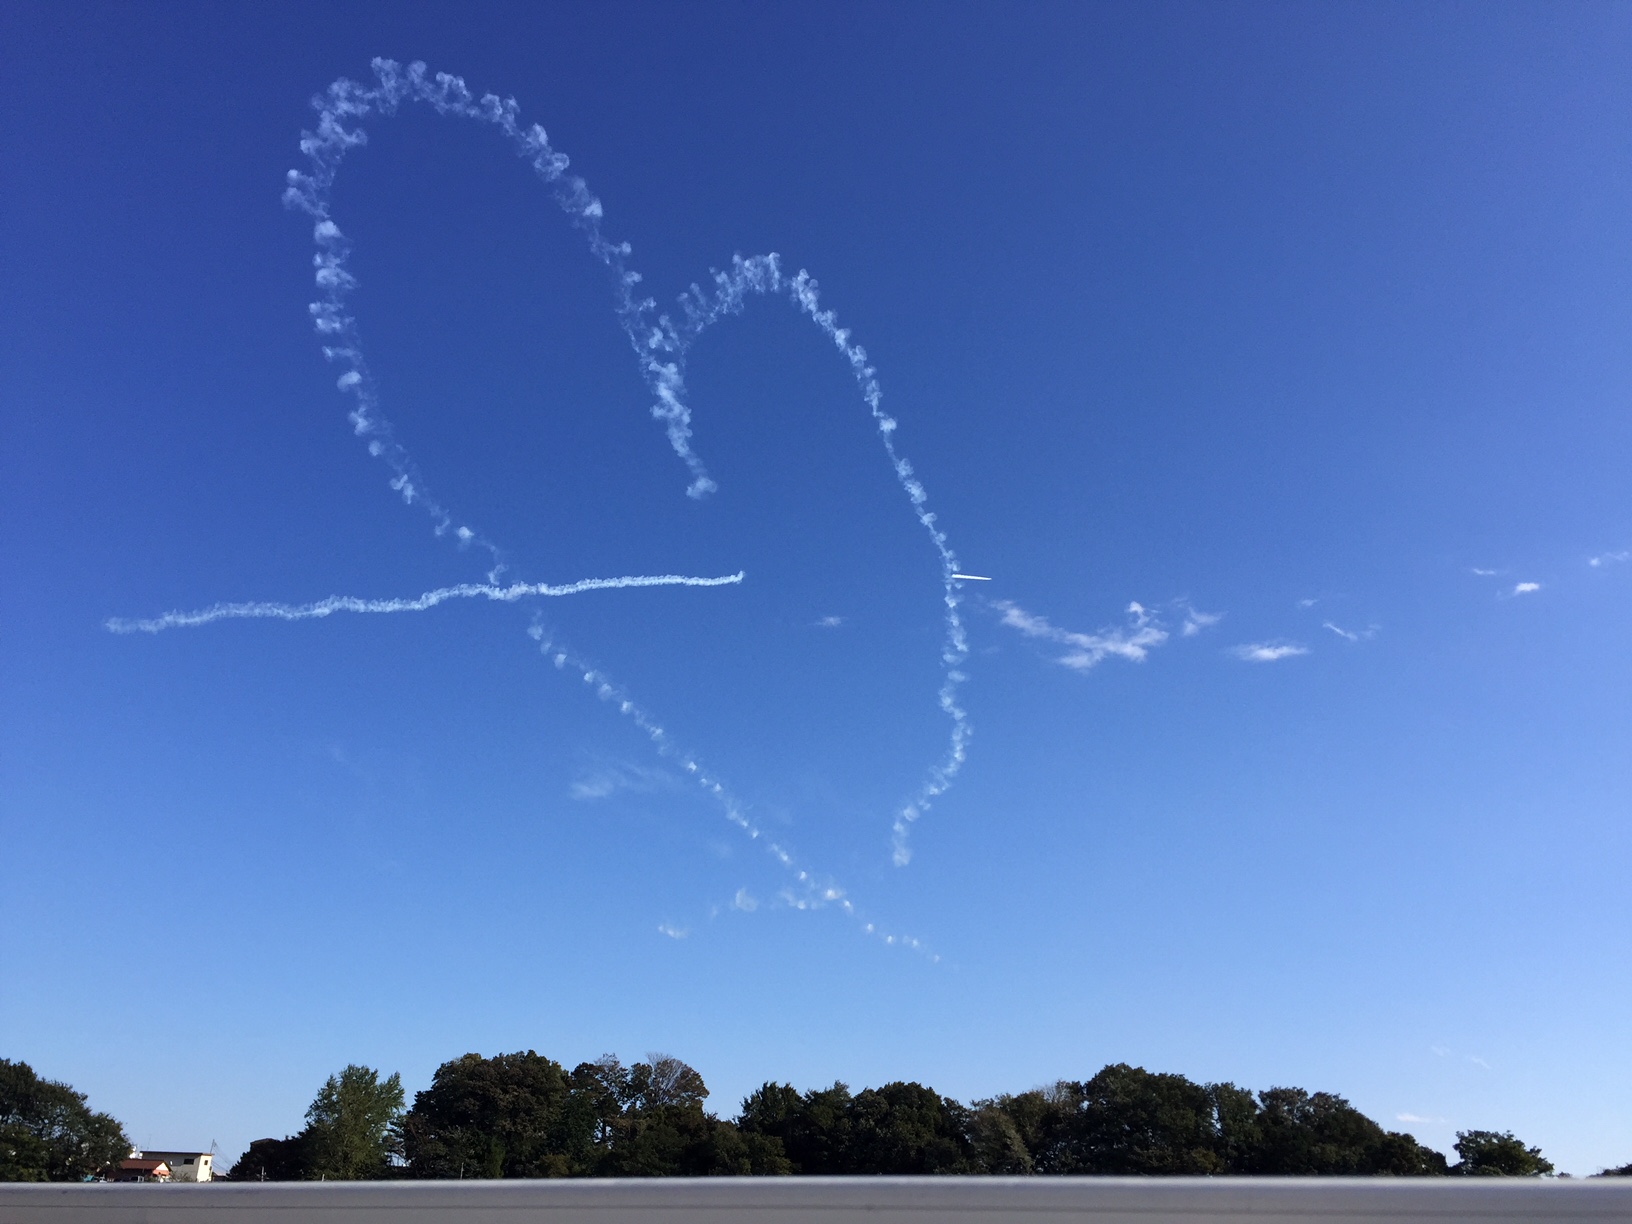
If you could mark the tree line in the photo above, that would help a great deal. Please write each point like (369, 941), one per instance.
(525, 1115)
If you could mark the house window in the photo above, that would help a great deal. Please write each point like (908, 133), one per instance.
(189, 1160)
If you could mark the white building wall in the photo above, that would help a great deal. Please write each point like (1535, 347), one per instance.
(186, 1166)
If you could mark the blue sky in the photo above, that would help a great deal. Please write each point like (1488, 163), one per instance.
(1303, 329)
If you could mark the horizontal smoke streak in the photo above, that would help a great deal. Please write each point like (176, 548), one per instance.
(350, 603)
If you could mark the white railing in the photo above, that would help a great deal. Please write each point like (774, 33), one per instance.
(835, 1200)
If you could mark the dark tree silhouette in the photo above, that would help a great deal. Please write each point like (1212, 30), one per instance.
(524, 1115)
(48, 1133)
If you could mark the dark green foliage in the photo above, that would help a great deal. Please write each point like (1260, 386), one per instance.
(813, 1129)
(1623, 1171)
(1304, 1134)
(1129, 1121)
(1489, 1154)
(906, 1128)
(900, 1128)
(996, 1144)
(524, 1115)
(660, 1128)
(1235, 1114)
(48, 1133)
(286, 1159)
(513, 1115)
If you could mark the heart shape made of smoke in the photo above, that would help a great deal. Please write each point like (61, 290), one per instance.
(660, 342)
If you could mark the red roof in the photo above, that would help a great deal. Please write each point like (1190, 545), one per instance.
(155, 1167)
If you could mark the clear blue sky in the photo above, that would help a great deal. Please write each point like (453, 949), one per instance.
(1303, 326)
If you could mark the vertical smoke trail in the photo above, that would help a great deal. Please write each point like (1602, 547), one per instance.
(659, 344)
(762, 275)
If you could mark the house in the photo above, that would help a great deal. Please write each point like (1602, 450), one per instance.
(139, 1169)
(184, 1166)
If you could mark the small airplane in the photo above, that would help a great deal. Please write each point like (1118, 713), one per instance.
(972, 577)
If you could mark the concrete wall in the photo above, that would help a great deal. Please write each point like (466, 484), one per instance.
(879, 1200)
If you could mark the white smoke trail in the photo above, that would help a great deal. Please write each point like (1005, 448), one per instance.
(350, 603)
(762, 275)
(808, 892)
(660, 344)
(660, 348)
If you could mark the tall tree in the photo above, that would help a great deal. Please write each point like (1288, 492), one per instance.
(1489, 1154)
(351, 1127)
(664, 1131)
(996, 1143)
(512, 1115)
(48, 1133)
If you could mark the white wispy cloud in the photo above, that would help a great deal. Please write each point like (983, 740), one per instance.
(1478, 1062)
(1307, 603)
(1609, 558)
(672, 931)
(1483, 573)
(1526, 588)
(1352, 635)
(1088, 650)
(606, 780)
(1411, 1117)
(1195, 622)
(1268, 652)
(830, 622)
(744, 901)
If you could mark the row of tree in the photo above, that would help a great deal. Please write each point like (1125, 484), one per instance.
(524, 1115)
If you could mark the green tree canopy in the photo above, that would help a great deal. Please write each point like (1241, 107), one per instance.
(905, 1128)
(1130, 1121)
(1302, 1134)
(662, 1129)
(1489, 1154)
(812, 1128)
(899, 1128)
(1127, 1120)
(524, 1115)
(351, 1127)
(512, 1115)
(48, 1133)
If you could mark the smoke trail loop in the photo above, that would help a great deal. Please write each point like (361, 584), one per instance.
(660, 344)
